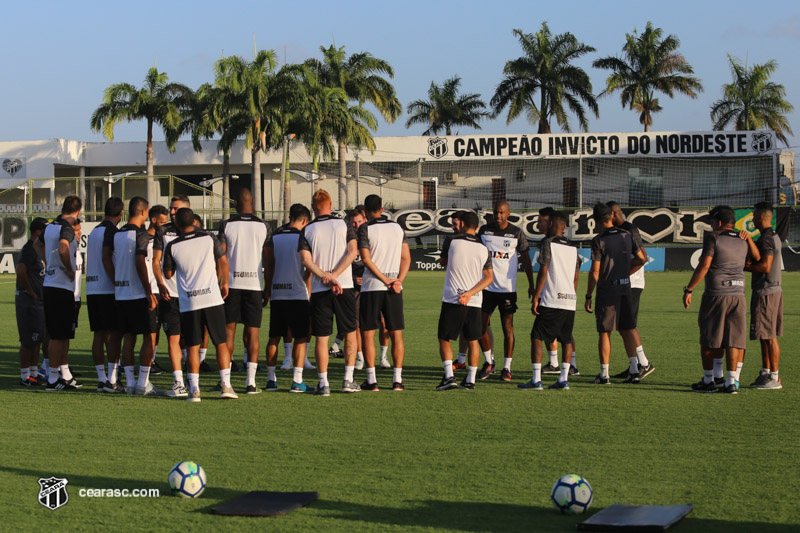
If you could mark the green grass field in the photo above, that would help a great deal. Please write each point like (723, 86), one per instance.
(480, 460)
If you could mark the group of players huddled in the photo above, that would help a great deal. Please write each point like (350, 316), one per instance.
(161, 271)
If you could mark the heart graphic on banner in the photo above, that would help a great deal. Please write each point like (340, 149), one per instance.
(653, 224)
(12, 166)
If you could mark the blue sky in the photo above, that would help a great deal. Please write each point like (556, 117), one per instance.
(60, 56)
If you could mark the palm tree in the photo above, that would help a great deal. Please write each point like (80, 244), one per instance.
(546, 68)
(362, 77)
(158, 102)
(753, 102)
(445, 108)
(650, 64)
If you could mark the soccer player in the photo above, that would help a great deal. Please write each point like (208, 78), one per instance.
(637, 286)
(723, 314)
(29, 305)
(197, 260)
(136, 304)
(286, 287)
(766, 303)
(504, 241)
(244, 237)
(100, 300)
(554, 301)
(469, 271)
(552, 366)
(614, 254)
(327, 247)
(60, 249)
(387, 258)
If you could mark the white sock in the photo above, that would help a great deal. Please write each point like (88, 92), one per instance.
(194, 382)
(203, 354)
(360, 356)
(177, 375)
(270, 373)
(297, 376)
(537, 372)
(448, 369)
(574, 361)
(130, 378)
(774, 375)
(731, 378)
(183, 354)
(287, 351)
(371, 375)
(739, 369)
(398, 375)
(337, 345)
(472, 371)
(384, 351)
(225, 377)
(112, 372)
(33, 371)
(251, 373)
(553, 355)
(641, 356)
(604, 371)
(24, 373)
(46, 365)
(564, 372)
(488, 357)
(144, 375)
(53, 375)
(323, 379)
(633, 365)
(765, 371)
(507, 363)
(718, 368)
(708, 376)
(65, 373)
(101, 373)
(348, 373)
(462, 357)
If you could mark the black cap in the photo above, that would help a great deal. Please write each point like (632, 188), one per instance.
(38, 223)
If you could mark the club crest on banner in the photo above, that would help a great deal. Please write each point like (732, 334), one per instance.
(437, 147)
(762, 142)
(53, 492)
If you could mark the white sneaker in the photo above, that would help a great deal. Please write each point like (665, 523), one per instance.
(227, 393)
(178, 390)
(148, 390)
(194, 396)
(307, 365)
(385, 362)
(359, 363)
(287, 364)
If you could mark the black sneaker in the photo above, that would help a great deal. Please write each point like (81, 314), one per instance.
(398, 386)
(573, 370)
(719, 382)
(155, 369)
(336, 354)
(101, 385)
(205, 367)
(600, 380)
(645, 371)
(505, 374)
(633, 378)
(113, 388)
(28, 382)
(485, 370)
(730, 389)
(371, 387)
(235, 367)
(622, 375)
(60, 385)
(466, 385)
(252, 389)
(74, 383)
(447, 384)
(550, 369)
(702, 386)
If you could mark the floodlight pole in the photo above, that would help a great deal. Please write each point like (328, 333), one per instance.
(358, 176)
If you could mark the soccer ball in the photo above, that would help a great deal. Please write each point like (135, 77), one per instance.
(187, 479)
(571, 494)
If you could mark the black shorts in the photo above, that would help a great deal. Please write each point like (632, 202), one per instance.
(613, 310)
(506, 302)
(324, 305)
(212, 318)
(636, 294)
(30, 321)
(455, 320)
(102, 312)
(377, 304)
(244, 307)
(553, 324)
(169, 316)
(286, 315)
(133, 318)
(60, 313)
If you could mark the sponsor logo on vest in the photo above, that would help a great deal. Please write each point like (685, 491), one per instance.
(500, 255)
(123, 283)
(198, 292)
(565, 296)
(245, 274)
(90, 279)
(733, 283)
(281, 286)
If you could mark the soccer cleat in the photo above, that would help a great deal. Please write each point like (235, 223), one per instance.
(178, 390)
(350, 387)
(563, 385)
(28, 382)
(323, 391)
(74, 382)
(101, 385)
(459, 366)
(307, 365)
(155, 369)
(573, 370)
(447, 384)
(252, 389)
(227, 393)
(194, 396)
(622, 375)
(113, 388)
(730, 389)
(41, 380)
(760, 380)
(505, 374)
(645, 371)
(287, 364)
(60, 385)
(205, 367)
(600, 380)
(702, 386)
(335, 352)
(148, 390)
(398, 386)
(271, 386)
(550, 369)
(485, 370)
(466, 385)
(531, 385)
(633, 378)
(770, 384)
(359, 363)
(370, 387)
(385, 362)
(719, 382)
(299, 387)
